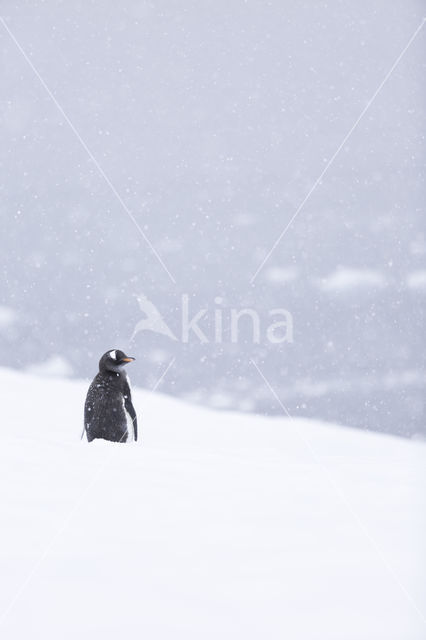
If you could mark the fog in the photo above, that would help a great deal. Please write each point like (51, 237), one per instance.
(209, 158)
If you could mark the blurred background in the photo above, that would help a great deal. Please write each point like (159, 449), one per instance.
(213, 120)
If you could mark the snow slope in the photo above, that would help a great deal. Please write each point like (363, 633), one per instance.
(215, 525)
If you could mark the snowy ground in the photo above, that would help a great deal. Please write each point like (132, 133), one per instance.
(215, 525)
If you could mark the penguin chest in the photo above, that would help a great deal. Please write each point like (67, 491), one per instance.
(129, 424)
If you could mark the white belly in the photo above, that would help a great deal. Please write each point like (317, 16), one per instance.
(130, 428)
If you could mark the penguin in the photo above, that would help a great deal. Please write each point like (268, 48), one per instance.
(108, 410)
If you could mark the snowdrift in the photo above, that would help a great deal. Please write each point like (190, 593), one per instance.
(214, 525)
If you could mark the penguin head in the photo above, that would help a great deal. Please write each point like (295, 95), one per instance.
(114, 360)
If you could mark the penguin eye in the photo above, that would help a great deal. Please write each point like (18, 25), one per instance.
(113, 355)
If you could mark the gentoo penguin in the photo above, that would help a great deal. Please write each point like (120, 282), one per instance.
(108, 411)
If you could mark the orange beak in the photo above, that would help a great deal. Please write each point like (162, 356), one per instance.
(128, 359)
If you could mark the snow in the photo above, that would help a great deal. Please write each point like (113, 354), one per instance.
(281, 275)
(214, 525)
(56, 366)
(347, 279)
(417, 280)
(7, 317)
